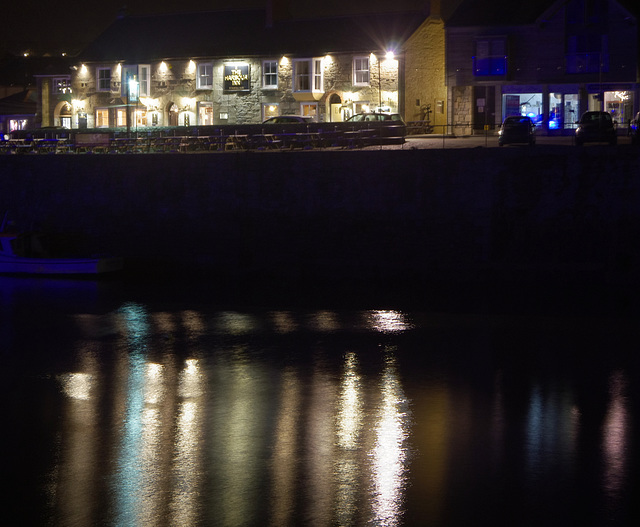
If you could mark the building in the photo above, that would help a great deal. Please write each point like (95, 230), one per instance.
(551, 60)
(237, 67)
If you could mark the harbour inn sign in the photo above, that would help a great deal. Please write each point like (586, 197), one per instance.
(328, 69)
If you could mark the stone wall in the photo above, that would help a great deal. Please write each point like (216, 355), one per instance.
(506, 214)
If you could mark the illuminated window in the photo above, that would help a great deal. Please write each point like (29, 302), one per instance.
(270, 110)
(104, 79)
(490, 57)
(205, 113)
(141, 74)
(102, 118)
(61, 85)
(204, 77)
(361, 71)
(121, 117)
(307, 74)
(270, 74)
(144, 79)
(309, 109)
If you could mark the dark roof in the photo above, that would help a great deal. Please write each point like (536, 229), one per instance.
(497, 12)
(22, 103)
(509, 12)
(245, 33)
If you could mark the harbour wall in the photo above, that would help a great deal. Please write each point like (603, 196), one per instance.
(512, 215)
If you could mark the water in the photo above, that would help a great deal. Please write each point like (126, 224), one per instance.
(126, 409)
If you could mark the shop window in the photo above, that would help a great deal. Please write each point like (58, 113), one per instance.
(103, 79)
(529, 104)
(490, 57)
(361, 71)
(204, 77)
(620, 105)
(270, 74)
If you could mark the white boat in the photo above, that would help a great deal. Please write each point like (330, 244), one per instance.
(23, 253)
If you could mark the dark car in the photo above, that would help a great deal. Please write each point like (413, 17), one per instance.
(634, 132)
(596, 127)
(517, 129)
(392, 123)
(289, 119)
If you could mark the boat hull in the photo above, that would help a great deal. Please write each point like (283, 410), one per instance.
(64, 266)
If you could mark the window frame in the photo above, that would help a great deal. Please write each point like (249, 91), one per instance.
(200, 75)
(270, 74)
(59, 87)
(101, 80)
(356, 71)
(314, 75)
(103, 112)
(496, 63)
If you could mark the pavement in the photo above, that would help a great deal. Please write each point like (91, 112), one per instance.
(490, 140)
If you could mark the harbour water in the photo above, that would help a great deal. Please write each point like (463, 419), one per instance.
(128, 407)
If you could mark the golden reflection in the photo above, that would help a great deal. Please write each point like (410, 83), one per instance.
(77, 385)
(324, 321)
(192, 321)
(388, 321)
(284, 460)
(389, 454)
(283, 322)
(349, 425)
(74, 488)
(320, 429)
(615, 436)
(237, 323)
(187, 462)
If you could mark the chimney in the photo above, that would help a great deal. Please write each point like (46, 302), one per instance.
(276, 10)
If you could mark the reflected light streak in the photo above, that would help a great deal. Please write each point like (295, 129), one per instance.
(388, 321)
(390, 452)
(325, 321)
(77, 385)
(615, 436)
(283, 322)
(349, 422)
(237, 323)
(187, 463)
(284, 461)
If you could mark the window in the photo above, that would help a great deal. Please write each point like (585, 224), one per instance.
(104, 79)
(491, 57)
(121, 117)
(102, 118)
(361, 71)
(61, 85)
(205, 113)
(270, 110)
(309, 109)
(204, 77)
(587, 54)
(307, 74)
(141, 75)
(270, 74)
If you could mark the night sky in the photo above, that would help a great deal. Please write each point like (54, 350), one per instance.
(38, 25)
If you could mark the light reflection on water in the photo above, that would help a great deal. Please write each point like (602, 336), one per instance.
(189, 418)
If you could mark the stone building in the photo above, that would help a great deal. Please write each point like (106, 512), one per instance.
(243, 66)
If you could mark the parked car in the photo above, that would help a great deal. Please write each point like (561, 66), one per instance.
(634, 132)
(517, 129)
(596, 127)
(289, 119)
(393, 123)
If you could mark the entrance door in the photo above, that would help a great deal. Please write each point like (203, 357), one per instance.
(484, 109)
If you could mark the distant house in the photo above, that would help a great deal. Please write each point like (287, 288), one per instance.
(241, 66)
(550, 59)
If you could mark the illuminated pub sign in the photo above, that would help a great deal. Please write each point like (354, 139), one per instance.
(237, 77)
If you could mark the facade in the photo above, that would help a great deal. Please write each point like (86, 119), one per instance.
(232, 67)
(549, 60)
